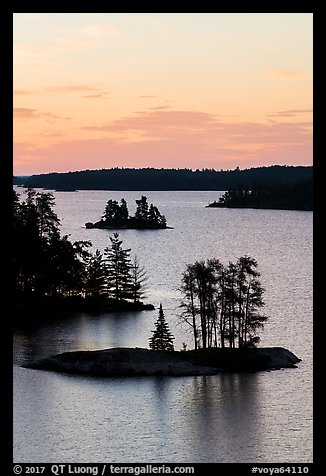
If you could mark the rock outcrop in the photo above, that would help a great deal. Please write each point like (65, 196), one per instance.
(137, 362)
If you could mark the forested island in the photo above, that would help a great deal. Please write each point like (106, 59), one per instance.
(116, 216)
(51, 274)
(165, 179)
(297, 195)
(220, 305)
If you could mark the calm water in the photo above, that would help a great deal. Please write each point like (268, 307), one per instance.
(261, 417)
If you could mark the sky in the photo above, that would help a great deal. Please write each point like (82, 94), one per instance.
(194, 90)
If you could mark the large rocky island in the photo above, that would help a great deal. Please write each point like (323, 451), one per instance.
(127, 362)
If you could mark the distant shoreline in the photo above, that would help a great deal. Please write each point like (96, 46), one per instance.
(153, 179)
(222, 205)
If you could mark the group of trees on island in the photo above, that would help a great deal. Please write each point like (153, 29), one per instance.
(117, 216)
(221, 303)
(46, 264)
(114, 275)
(297, 195)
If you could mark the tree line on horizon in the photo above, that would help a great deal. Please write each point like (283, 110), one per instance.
(165, 179)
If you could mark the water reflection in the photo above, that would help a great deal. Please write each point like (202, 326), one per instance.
(78, 331)
(225, 409)
(223, 418)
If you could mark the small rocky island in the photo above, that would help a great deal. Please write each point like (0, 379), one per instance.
(116, 216)
(130, 362)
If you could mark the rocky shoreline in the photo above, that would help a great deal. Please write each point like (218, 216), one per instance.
(120, 362)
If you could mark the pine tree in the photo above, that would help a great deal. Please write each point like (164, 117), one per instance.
(95, 276)
(162, 339)
(142, 208)
(138, 281)
(118, 268)
(123, 211)
(111, 209)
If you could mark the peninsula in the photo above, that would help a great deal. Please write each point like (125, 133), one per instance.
(291, 196)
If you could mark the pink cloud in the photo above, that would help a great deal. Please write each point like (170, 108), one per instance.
(286, 73)
(159, 123)
(290, 113)
(69, 88)
(160, 108)
(25, 113)
(174, 139)
(94, 96)
(21, 92)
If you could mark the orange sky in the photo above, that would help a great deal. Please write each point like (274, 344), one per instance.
(161, 90)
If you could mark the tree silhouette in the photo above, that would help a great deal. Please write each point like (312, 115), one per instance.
(142, 208)
(95, 276)
(223, 302)
(138, 281)
(118, 269)
(44, 262)
(162, 339)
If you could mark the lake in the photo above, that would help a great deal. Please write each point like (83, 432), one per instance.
(260, 417)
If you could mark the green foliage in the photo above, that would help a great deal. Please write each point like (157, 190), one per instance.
(162, 339)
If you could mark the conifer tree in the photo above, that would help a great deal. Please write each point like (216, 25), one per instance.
(95, 276)
(138, 281)
(118, 268)
(162, 339)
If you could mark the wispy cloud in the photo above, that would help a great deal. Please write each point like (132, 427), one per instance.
(290, 113)
(221, 146)
(24, 113)
(95, 96)
(159, 123)
(69, 88)
(160, 108)
(287, 74)
(88, 38)
(147, 96)
(21, 92)
(205, 130)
